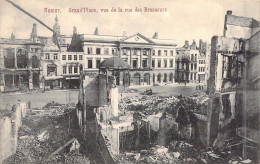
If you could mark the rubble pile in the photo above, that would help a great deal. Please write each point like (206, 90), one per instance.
(44, 137)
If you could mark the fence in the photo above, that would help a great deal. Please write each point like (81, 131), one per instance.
(9, 126)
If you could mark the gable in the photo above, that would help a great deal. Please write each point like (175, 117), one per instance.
(137, 38)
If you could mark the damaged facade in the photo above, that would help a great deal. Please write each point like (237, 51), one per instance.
(192, 62)
(234, 82)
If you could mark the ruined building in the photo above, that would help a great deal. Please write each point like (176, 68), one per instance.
(20, 62)
(234, 81)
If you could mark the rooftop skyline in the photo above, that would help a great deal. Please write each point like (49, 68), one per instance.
(184, 20)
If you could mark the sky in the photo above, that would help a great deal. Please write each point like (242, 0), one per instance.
(183, 20)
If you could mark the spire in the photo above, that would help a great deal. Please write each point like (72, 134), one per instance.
(56, 27)
(96, 31)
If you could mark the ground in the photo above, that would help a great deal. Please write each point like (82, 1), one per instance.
(39, 99)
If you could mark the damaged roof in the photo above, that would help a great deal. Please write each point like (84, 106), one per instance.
(242, 21)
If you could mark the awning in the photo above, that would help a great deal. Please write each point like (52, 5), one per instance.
(53, 77)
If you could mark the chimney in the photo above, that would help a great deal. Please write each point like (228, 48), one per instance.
(229, 12)
(186, 43)
(155, 36)
(124, 33)
(96, 31)
(34, 33)
(74, 30)
(12, 36)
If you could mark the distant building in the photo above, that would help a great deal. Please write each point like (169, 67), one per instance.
(187, 63)
(151, 59)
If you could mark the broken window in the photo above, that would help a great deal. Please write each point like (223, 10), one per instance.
(145, 52)
(226, 106)
(9, 58)
(35, 62)
(153, 52)
(22, 58)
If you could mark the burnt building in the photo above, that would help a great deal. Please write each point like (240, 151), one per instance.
(20, 62)
(234, 81)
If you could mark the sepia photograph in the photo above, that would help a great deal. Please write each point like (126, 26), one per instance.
(129, 81)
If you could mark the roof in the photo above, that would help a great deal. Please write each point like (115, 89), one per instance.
(114, 38)
(242, 21)
(50, 48)
(15, 41)
(114, 63)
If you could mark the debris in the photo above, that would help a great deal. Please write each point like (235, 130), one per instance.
(62, 147)
(75, 145)
(44, 136)
(137, 156)
(246, 161)
(203, 160)
(234, 162)
(150, 159)
(162, 150)
(176, 155)
(22, 137)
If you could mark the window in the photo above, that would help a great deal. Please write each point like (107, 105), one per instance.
(171, 53)
(90, 63)
(145, 52)
(153, 53)
(165, 52)
(64, 69)
(165, 63)
(69, 57)
(75, 57)
(63, 57)
(80, 57)
(171, 63)
(135, 51)
(153, 63)
(106, 51)
(195, 57)
(134, 63)
(191, 76)
(124, 51)
(90, 50)
(75, 69)
(97, 63)
(195, 66)
(159, 63)
(113, 51)
(70, 69)
(98, 50)
(192, 57)
(55, 56)
(159, 52)
(47, 56)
